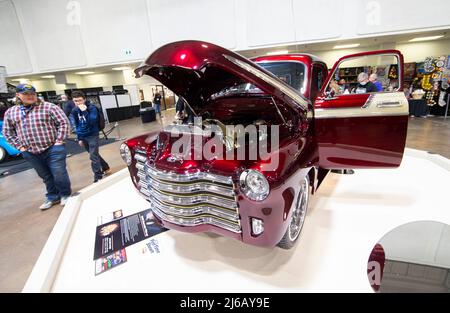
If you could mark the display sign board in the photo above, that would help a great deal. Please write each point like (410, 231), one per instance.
(123, 232)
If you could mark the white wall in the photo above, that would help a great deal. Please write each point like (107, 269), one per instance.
(414, 52)
(103, 80)
(46, 35)
(13, 50)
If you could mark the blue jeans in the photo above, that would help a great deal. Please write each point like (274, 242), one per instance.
(157, 108)
(91, 145)
(50, 165)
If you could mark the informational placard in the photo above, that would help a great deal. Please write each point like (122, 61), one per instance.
(121, 233)
(3, 86)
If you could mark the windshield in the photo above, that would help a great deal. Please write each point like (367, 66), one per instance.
(292, 73)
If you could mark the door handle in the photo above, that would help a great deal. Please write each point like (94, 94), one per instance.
(389, 104)
(332, 98)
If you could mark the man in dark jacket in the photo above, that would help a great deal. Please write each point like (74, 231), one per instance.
(364, 85)
(86, 119)
(68, 106)
(157, 102)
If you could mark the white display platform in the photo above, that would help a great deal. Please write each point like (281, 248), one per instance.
(347, 216)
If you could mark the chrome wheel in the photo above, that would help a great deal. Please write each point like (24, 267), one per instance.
(299, 213)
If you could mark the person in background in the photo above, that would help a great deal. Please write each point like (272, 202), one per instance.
(334, 88)
(38, 129)
(343, 86)
(3, 109)
(86, 118)
(190, 115)
(68, 106)
(446, 96)
(179, 109)
(157, 102)
(407, 90)
(364, 85)
(373, 78)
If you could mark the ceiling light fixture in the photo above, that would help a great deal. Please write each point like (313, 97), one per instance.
(84, 73)
(425, 38)
(19, 79)
(48, 76)
(351, 45)
(121, 68)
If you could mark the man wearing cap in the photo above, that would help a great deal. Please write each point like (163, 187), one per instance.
(38, 129)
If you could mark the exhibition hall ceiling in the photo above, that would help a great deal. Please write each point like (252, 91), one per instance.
(381, 41)
(52, 35)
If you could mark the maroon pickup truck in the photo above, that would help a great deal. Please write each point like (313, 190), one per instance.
(260, 200)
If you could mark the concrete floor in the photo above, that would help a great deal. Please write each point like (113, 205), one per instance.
(25, 229)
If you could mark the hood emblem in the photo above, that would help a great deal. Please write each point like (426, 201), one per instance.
(175, 158)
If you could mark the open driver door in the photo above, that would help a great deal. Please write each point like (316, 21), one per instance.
(357, 126)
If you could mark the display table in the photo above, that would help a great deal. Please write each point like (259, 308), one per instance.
(347, 217)
(418, 107)
(122, 113)
(147, 115)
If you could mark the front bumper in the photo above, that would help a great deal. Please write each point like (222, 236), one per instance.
(205, 202)
(191, 199)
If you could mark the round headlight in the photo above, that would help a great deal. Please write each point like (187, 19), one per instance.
(254, 185)
(125, 153)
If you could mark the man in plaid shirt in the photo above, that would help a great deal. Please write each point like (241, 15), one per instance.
(38, 129)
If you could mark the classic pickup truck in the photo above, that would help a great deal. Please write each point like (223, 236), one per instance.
(318, 127)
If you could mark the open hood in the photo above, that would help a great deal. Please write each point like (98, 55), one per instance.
(196, 70)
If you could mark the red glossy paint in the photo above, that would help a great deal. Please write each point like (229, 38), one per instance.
(361, 142)
(198, 70)
(341, 101)
(375, 267)
(204, 70)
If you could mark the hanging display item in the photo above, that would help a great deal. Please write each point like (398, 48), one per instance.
(393, 71)
(426, 82)
(410, 71)
(428, 65)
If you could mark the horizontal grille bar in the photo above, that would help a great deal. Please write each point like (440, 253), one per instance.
(196, 210)
(190, 199)
(189, 177)
(196, 221)
(191, 187)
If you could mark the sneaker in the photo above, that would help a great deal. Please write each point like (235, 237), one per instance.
(64, 200)
(48, 204)
(107, 172)
(97, 178)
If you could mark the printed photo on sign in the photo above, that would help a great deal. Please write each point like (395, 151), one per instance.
(109, 217)
(114, 259)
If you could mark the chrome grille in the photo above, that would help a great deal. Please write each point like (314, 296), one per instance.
(189, 199)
